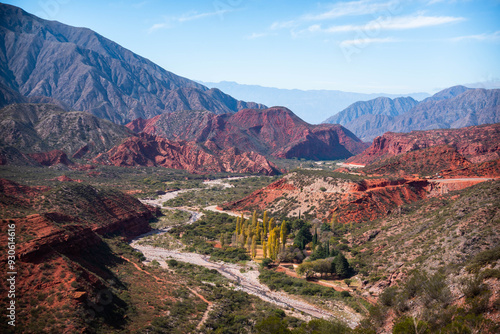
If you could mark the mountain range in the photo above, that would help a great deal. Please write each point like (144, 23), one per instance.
(313, 106)
(88, 72)
(454, 107)
(275, 131)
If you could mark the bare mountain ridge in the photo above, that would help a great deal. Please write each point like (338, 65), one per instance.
(275, 131)
(36, 128)
(88, 72)
(455, 107)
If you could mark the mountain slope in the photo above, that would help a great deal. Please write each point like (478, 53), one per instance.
(475, 143)
(275, 131)
(378, 106)
(150, 150)
(88, 72)
(32, 128)
(472, 107)
(454, 107)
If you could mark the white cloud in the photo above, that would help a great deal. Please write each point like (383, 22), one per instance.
(341, 9)
(196, 16)
(256, 35)
(157, 26)
(390, 23)
(186, 18)
(481, 37)
(352, 8)
(366, 41)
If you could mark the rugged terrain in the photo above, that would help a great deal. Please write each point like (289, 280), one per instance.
(40, 127)
(275, 131)
(151, 150)
(88, 72)
(59, 252)
(452, 108)
(475, 143)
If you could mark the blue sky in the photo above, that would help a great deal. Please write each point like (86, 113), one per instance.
(361, 46)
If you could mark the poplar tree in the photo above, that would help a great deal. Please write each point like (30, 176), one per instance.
(333, 221)
(264, 249)
(271, 224)
(237, 226)
(283, 232)
(254, 218)
(254, 246)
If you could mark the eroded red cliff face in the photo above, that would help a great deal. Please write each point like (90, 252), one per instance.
(428, 161)
(61, 258)
(274, 131)
(51, 158)
(321, 196)
(150, 150)
(475, 143)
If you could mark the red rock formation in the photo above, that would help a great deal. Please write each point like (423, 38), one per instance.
(352, 201)
(275, 131)
(475, 143)
(428, 161)
(149, 150)
(51, 158)
(485, 169)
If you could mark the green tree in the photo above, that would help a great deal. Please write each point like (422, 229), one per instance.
(342, 266)
(254, 246)
(303, 237)
(272, 325)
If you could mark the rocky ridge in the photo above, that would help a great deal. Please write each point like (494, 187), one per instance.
(275, 131)
(151, 150)
(39, 127)
(476, 144)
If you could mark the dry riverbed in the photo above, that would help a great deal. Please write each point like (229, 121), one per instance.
(246, 279)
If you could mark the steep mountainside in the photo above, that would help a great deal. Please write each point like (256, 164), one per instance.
(36, 128)
(454, 107)
(378, 106)
(151, 150)
(275, 131)
(472, 107)
(61, 260)
(88, 72)
(475, 143)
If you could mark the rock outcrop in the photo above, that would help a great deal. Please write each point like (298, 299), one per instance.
(324, 194)
(151, 150)
(275, 131)
(51, 158)
(476, 144)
